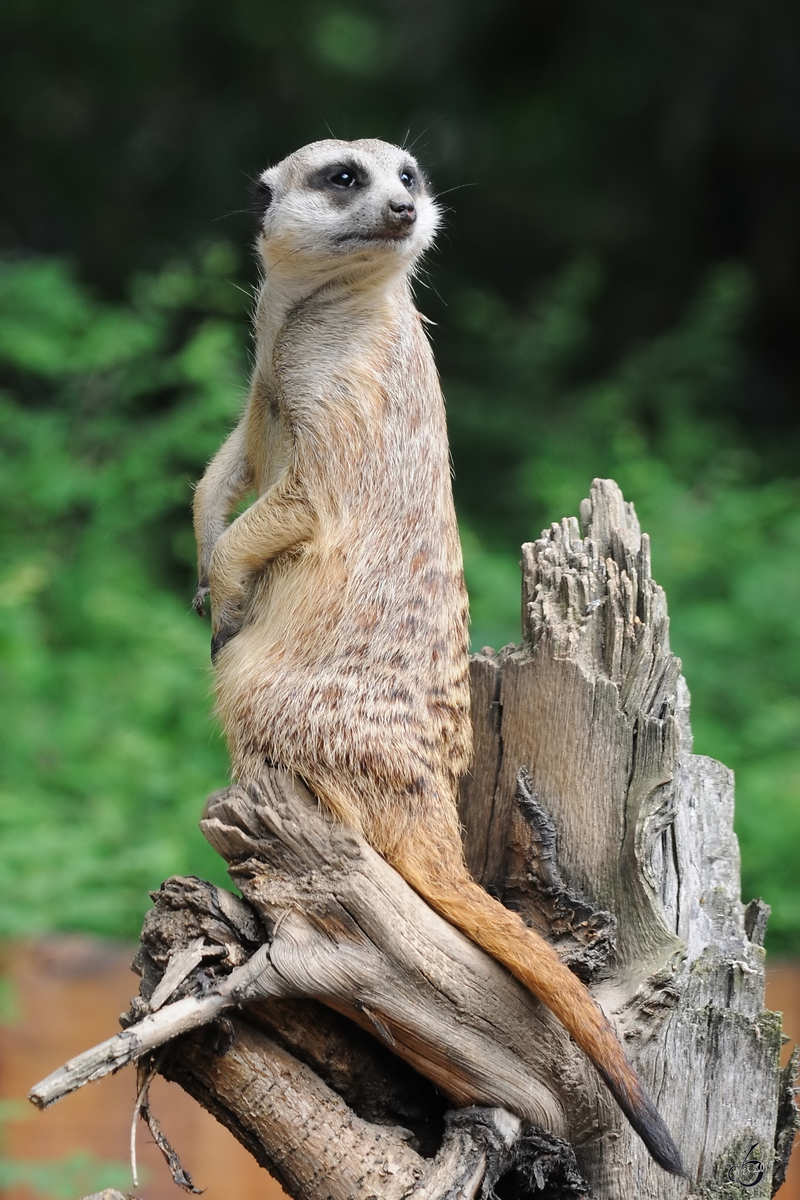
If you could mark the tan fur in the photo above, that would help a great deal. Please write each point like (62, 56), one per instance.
(339, 607)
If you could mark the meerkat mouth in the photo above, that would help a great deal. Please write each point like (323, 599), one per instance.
(379, 237)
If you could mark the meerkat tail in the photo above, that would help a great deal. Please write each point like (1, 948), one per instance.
(535, 963)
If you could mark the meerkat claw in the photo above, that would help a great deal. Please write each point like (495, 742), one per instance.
(221, 638)
(199, 600)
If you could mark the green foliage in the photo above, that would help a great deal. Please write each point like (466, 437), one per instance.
(108, 747)
(109, 411)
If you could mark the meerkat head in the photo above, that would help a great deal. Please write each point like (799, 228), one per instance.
(333, 207)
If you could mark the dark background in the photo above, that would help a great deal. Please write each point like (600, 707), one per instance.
(661, 136)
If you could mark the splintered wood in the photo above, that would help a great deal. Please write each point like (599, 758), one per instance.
(359, 1046)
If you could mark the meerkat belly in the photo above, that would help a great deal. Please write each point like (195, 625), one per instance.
(346, 666)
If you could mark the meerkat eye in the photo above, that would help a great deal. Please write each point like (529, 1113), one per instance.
(345, 178)
(407, 179)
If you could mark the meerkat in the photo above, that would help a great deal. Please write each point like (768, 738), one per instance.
(338, 601)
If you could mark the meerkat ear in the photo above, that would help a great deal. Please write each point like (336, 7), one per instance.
(262, 198)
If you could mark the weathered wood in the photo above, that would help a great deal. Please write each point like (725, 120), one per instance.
(372, 1084)
(375, 1083)
(347, 929)
(310, 1139)
(587, 812)
(154, 1030)
(593, 705)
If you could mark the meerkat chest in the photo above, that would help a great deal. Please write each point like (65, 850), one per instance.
(359, 390)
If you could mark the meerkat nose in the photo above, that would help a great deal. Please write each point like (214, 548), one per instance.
(404, 210)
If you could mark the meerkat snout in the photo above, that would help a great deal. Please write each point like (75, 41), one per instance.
(403, 211)
(400, 218)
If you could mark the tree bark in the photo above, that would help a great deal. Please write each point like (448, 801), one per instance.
(351, 1022)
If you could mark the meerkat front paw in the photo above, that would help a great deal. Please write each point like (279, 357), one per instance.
(222, 637)
(199, 601)
(227, 620)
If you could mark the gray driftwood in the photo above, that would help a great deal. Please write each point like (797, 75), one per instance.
(361, 1047)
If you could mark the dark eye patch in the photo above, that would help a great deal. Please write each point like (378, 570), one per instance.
(339, 178)
(261, 194)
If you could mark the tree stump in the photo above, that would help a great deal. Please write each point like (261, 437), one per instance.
(359, 1046)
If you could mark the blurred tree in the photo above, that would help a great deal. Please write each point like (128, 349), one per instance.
(107, 741)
